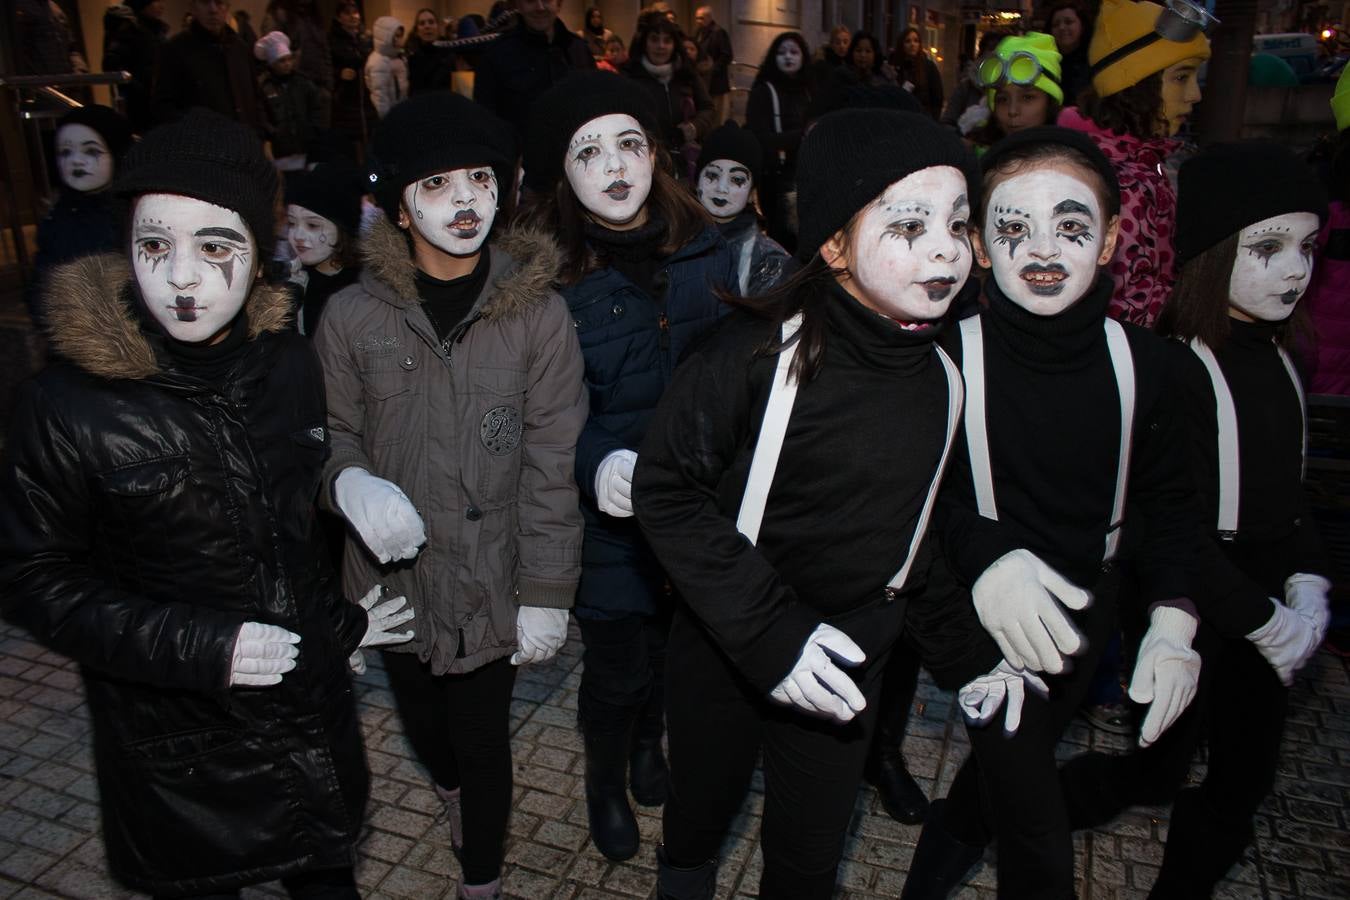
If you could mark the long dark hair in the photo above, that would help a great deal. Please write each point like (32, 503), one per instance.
(1136, 111)
(1081, 10)
(561, 214)
(911, 68)
(877, 56)
(1198, 305)
(414, 43)
(768, 69)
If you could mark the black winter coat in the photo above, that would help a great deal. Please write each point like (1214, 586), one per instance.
(353, 115)
(522, 64)
(197, 68)
(145, 515)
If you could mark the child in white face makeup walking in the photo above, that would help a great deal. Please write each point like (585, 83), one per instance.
(786, 484)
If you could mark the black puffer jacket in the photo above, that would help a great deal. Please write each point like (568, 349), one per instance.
(144, 517)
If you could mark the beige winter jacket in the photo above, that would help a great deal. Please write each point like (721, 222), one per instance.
(481, 440)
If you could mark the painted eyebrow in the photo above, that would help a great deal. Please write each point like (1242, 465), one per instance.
(960, 202)
(1070, 206)
(742, 169)
(149, 228)
(228, 233)
(629, 131)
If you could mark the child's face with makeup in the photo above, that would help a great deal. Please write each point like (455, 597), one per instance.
(1273, 266)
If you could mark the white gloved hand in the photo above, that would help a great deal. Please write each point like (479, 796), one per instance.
(262, 654)
(1016, 598)
(381, 513)
(1166, 672)
(1286, 641)
(357, 662)
(975, 116)
(298, 274)
(1307, 595)
(1005, 686)
(614, 484)
(380, 619)
(816, 684)
(540, 632)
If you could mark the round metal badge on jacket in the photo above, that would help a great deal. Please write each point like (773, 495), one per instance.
(500, 430)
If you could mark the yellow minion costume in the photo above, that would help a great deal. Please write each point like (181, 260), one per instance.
(1031, 59)
(1135, 38)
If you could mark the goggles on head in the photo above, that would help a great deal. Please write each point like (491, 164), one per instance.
(1180, 21)
(1020, 67)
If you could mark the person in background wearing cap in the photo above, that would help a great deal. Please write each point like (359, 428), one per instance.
(133, 47)
(827, 393)
(728, 169)
(386, 71)
(1247, 222)
(207, 65)
(640, 271)
(1145, 59)
(295, 109)
(1327, 301)
(323, 216)
(455, 399)
(1022, 89)
(1034, 539)
(157, 524)
(90, 143)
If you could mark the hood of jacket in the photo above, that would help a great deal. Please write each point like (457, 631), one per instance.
(524, 266)
(90, 321)
(383, 32)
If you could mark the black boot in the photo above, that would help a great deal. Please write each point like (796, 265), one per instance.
(647, 774)
(1202, 845)
(674, 883)
(900, 794)
(940, 860)
(613, 827)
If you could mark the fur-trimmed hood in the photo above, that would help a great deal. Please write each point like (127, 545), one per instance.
(90, 321)
(524, 267)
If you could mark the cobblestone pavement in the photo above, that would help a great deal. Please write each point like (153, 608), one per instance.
(49, 842)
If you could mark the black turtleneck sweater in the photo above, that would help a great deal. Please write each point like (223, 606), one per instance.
(632, 252)
(447, 303)
(861, 450)
(1053, 424)
(1276, 536)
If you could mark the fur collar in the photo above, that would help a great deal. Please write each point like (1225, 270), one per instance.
(90, 322)
(525, 264)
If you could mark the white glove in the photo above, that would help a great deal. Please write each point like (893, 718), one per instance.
(1307, 595)
(540, 632)
(816, 684)
(1167, 671)
(614, 484)
(298, 274)
(975, 116)
(381, 513)
(357, 662)
(262, 654)
(380, 619)
(1286, 641)
(1015, 600)
(980, 699)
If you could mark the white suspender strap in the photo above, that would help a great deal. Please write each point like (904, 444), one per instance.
(1123, 365)
(747, 255)
(782, 395)
(1226, 415)
(977, 437)
(777, 117)
(1302, 403)
(955, 396)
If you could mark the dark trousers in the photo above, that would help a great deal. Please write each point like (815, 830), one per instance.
(623, 673)
(1008, 788)
(323, 884)
(897, 698)
(812, 767)
(459, 727)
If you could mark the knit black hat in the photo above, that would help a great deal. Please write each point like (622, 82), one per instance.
(109, 123)
(562, 109)
(1017, 143)
(209, 157)
(436, 132)
(852, 155)
(1228, 187)
(731, 141)
(333, 190)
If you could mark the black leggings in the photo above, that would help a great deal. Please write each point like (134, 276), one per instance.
(718, 725)
(459, 727)
(322, 884)
(623, 672)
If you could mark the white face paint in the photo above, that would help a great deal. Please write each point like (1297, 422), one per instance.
(724, 188)
(453, 210)
(788, 57)
(1274, 263)
(609, 166)
(1043, 233)
(83, 158)
(194, 262)
(910, 253)
(313, 238)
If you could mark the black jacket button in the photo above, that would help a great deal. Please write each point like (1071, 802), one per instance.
(473, 514)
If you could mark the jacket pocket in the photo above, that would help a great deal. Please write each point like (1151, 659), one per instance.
(499, 398)
(145, 479)
(392, 393)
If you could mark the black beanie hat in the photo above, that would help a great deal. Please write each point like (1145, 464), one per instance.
(333, 190)
(1019, 141)
(109, 123)
(436, 132)
(562, 109)
(852, 155)
(209, 157)
(731, 141)
(1229, 187)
